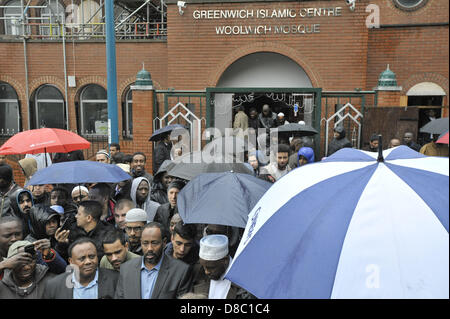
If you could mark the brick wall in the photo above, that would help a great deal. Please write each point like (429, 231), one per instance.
(345, 54)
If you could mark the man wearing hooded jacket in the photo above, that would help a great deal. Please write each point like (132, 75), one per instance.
(339, 141)
(8, 191)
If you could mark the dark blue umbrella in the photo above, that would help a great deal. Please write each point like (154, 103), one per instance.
(220, 198)
(79, 172)
(158, 134)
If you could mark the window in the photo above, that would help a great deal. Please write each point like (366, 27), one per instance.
(9, 110)
(50, 17)
(13, 18)
(127, 114)
(94, 110)
(409, 5)
(49, 108)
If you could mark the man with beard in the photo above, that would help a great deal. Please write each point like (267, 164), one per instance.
(87, 280)
(40, 196)
(8, 191)
(25, 202)
(28, 278)
(281, 167)
(138, 166)
(135, 221)
(101, 193)
(154, 276)
(140, 195)
(116, 251)
(215, 261)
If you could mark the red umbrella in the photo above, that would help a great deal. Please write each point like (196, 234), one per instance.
(43, 140)
(443, 139)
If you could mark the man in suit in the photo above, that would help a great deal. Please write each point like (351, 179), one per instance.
(87, 281)
(155, 275)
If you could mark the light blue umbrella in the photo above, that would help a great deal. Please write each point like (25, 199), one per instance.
(351, 227)
(79, 172)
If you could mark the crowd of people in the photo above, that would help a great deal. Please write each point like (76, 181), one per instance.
(127, 240)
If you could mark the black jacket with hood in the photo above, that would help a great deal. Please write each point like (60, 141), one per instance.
(158, 190)
(10, 290)
(337, 143)
(16, 211)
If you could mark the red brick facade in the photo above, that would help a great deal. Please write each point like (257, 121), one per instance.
(344, 55)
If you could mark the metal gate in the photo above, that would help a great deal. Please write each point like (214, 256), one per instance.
(182, 107)
(345, 109)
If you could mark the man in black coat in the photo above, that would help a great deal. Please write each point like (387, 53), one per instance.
(8, 191)
(161, 181)
(165, 212)
(339, 141)
(155, 275)
(87, 281)
(162, 152)
(88, 224)
(408, 140)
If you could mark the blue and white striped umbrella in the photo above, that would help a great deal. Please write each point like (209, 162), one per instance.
(351, 227)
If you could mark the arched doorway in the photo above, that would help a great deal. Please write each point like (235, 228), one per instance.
(271, 73)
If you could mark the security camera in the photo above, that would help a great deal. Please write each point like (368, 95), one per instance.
(351, 4)
(181, 5)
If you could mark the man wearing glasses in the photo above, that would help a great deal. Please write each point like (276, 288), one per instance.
(135, 221)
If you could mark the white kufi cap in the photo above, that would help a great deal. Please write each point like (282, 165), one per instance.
(213, 247)
(136, 215)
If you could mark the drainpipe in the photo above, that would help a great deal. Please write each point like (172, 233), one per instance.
(26, 66)
(65, 75)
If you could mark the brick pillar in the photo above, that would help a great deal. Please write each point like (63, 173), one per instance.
(143, 122)
(389, 98)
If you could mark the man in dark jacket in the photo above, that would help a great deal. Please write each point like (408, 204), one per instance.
(408, 140)
(8, 191)
(267, 118)
(162, 152)
(160, 182)
(253, 120)
(27, 279)
(339, 141)
(86, 281)
(373, 144)
(155, 275)
(182, 243)
(166, 211)
(88, 225)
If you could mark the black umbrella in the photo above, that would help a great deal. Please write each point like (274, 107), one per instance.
(233, 196)
(159, 134)
(192, 164)
(297, 129)
(437, 126)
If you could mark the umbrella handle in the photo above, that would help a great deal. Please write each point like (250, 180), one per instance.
(380, 150)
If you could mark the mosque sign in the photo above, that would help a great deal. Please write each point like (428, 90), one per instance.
(268, 21)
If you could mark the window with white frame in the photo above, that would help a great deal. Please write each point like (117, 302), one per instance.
(127, 114)
(9, 110)
(94, 110)
(49, 110)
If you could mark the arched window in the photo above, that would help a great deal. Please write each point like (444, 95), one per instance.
(13, 16)
(94, 110)
(9, 110)
(49, 108)
(127, 114)
(51, 16)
